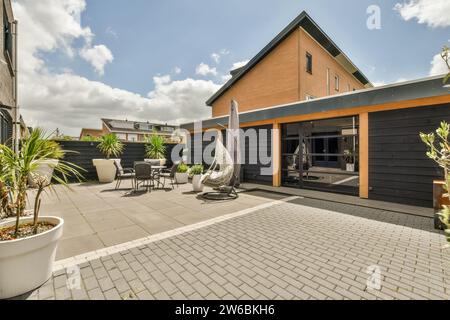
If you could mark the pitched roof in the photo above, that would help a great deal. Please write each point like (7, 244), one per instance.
(310, 26)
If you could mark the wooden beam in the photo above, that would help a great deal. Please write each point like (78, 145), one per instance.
(276, 154)
(364, 155)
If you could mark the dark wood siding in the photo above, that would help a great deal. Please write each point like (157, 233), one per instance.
(399, 170)
(250, 172)
(84, 152)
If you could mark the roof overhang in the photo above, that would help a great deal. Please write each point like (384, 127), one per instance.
(312, 28)
(417, 89)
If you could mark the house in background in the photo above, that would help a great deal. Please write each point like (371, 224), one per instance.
(323, 124)
(131, 131)
(8, 111)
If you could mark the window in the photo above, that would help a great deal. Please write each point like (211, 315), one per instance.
(7, 35)
(309, 66)
(336, 83)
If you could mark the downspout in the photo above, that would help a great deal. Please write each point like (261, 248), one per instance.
(16, 124)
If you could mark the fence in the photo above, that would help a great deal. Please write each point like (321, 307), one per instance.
(84, 152)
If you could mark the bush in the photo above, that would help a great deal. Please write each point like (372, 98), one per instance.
(182, 168)
(196, 170)
(110, 145)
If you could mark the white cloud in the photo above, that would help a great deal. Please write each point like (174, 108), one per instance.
(64, 100)
(378, 83)
(239, 64)
(434, 13)
(177, 70)
(226, 77)
(98, 57)
(438, 66)
(215, 57)
(113, 33)
(204, 70)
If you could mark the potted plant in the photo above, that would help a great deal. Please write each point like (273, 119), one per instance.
(182, 175)
(28, 244)
(196, 173)
(109, 145)
(47, 167)
(439, 150)
(350, 159)
(155, 148)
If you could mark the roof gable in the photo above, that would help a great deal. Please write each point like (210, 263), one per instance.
(311, 27)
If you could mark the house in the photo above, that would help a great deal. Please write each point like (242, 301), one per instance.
(8, 111)
(324, 127)
(131, 131)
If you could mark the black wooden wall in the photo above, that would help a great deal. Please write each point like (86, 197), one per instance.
(399, 170)
(85, 152)
(249, 172)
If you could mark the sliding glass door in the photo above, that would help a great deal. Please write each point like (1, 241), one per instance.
(321, 155)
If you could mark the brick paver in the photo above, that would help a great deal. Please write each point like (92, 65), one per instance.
(294, 250)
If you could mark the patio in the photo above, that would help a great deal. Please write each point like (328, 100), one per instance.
(263, 246)
(97, 216)
(173, 244)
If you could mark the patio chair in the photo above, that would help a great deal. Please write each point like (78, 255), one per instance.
(143, 175)
(169, 174)
(123, 174)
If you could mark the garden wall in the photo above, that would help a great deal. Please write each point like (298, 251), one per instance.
(84, 152)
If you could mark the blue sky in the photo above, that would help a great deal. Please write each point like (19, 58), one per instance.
(148, 38)
(155, 36)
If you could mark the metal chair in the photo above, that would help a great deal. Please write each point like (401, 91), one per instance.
(169, 174)
(123, 174)
(142, 175)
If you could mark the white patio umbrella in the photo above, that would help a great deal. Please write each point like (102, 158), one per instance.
(234, 140)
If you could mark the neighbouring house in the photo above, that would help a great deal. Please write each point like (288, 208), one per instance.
(322, 124)
(131, 131)
(8, 111)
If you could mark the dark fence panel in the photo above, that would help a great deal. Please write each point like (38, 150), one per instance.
(250, 172)
(399, 170)
(84, 152)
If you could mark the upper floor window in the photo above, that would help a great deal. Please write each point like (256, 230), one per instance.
(7, 36)
(336, 82)
(309, 65)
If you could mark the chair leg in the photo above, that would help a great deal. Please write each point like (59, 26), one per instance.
(118, 183)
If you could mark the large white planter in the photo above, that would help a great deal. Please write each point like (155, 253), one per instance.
(197, 185)
(26, 264)
(44, 170)
(181, 178)
(351, 167)
(106, 170)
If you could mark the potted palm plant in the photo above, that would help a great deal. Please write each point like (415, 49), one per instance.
(47, 167)
(109, 145)
(182, 174)
(196, 173)
(155, 149)
(350, 159)
(28, 244)
(439, 150)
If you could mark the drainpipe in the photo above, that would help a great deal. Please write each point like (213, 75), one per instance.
(16, 114)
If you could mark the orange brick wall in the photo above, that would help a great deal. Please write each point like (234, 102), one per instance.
(273, 81)
(281, 77)
(315, 84)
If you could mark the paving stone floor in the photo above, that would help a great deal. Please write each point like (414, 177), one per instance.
(301, 249)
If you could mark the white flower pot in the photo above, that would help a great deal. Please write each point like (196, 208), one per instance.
(106, 170)
(26, 264)
(351, 167)
(181, 178)
(44, 170)
(197, 184)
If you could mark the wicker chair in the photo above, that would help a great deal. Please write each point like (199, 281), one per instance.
(143, 175)
(123, 174)
(169, 174)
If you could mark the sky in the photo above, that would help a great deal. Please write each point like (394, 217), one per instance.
(160, 60)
